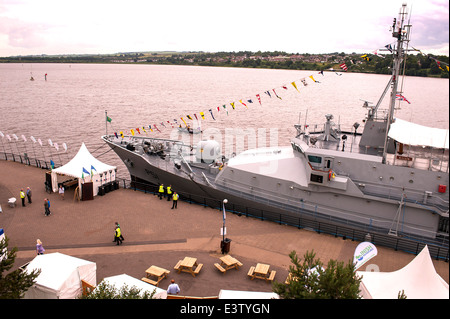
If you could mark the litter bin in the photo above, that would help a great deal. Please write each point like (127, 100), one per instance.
(101, 190)
(225, 245)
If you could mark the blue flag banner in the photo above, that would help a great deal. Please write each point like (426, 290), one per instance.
(85, 171)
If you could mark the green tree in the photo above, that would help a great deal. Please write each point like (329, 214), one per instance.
(106, 291)
(14, 284)
(309, 280)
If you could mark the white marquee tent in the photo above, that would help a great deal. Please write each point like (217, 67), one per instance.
(120, 281)
(60, 276)
(81, 167)
(414, 134)
(418, 280)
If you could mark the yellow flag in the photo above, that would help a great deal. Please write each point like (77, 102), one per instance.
(232, 105)
(132, 132)
(312, 78)
(183, 121)
(202, 115)
(121, 134)
(294, 85)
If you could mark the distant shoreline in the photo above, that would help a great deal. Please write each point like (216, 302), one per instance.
(416, 65)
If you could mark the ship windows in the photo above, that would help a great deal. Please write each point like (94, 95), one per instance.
(314, 159)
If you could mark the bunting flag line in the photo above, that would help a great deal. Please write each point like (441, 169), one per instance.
(244, 102)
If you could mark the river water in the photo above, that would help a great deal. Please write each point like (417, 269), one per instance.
(68, 105)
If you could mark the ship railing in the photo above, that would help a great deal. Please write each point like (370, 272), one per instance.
(313, 210)
(301, 220)
(396, 193)
(420, 160)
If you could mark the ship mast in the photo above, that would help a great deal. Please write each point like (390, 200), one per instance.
(400, 31)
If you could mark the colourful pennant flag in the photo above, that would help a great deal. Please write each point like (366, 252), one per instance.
(343, 66)
(132, 132)
(137, 129)
(121, 134)
(402, 98)
(116, 135)
(150, 127)
(232, 105)
(210, 111)
(154, 125)
(366, 57)
(202, 115)
(268, 93)
(243, 104)
(183, 121)
(276, 94)
(170, 123)
(295, 86)
(225, 108)
(189, 117)
(259, 98)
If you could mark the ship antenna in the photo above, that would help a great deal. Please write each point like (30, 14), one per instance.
(401, 32)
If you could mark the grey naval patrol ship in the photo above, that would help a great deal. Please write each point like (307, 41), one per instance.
(381, 179)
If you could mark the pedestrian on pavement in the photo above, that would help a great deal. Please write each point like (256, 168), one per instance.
(161, 191)
(61, 191)
(173, 288)
(22, 196)
(39, 248)
(47, 207)
(117, 236)
(29, 195)
(175, 200)
(169, 192)
(121, 235)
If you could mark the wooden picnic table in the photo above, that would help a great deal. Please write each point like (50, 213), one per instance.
(227, 262)
(230, 262)
(187, 265)
(155, 271)
(262, 271)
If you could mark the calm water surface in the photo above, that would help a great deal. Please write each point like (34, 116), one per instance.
(70, 106)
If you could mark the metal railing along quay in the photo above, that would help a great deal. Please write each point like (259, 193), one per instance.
(402, 243)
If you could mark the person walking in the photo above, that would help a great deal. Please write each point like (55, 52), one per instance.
(29, 195)
(22, 196)
(161, 191)
(169, 192)
(61, 191)
(173, 288)
(117, 235)
(47, 207)
(39, 248)
(175, 200)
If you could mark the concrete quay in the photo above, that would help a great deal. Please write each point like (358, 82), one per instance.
(155, 234)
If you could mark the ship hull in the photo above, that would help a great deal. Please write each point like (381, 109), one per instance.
(362, 212)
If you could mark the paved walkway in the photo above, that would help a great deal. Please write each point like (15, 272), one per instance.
(157, 235)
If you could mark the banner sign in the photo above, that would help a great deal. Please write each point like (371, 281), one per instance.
(363, 253)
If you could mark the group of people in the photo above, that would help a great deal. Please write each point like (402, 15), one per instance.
(27, 194)
(170, 195)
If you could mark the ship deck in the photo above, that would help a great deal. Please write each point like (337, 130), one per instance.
(156, 235)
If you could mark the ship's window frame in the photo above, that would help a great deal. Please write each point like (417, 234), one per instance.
(315, 159)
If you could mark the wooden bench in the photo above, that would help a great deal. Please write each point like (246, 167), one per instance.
(251, 271)
(197, 270)
(272, 275)
(240, 264)
(177, 266)
(149, 281)
(220, 267)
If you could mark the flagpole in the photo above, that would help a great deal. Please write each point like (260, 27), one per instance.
(106, 123)
(224, 218)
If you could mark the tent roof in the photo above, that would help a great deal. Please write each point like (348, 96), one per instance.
(418, 279)
(414, 134)
(120, 280)
(83, 159)
(56, 268)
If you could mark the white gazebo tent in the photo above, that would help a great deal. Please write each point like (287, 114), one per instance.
(86, 168)
(418, 280)
(237, 294)
(60, 276)
(120, 281)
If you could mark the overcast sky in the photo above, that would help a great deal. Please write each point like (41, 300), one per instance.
(295, 26)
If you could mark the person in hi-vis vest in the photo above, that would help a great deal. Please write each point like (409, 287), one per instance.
(161, 191)
(175, 200)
